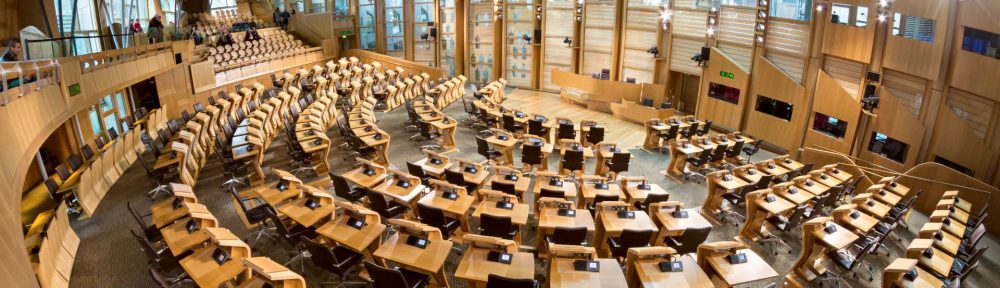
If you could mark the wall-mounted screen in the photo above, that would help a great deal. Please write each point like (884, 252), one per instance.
(724, 93)
(775, 108)
(889, 148)
(829, 125)
(956, 166)
(981, 42)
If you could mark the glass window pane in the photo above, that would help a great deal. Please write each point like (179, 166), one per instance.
(368, 38)
(111, 121)
(367, 15)
(394, 29)
(423, 12)
(122, 111)
(106, 104)
(861, 19)
(394, 44)
(341, 6)
(841, 13)
(95, 122)
(792, 9)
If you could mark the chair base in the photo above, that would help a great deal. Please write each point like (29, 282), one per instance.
(156, 191)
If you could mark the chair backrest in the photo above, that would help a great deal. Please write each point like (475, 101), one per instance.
(503, 187)
(497, 281)
(735, 151)
(974, 259)
(100, 142)
(52, 187)
(531, 154)
(569, 235)
(797, 216)
(634, 238)
(63, 172)
(136, 216)
(415, 170)
(756, 147)
(434, 217)
(604, 197)
(454, 177)
(703, 157)
(596, 134)
(385, 277)
(112, 133)
(535, 127)
(720, 152)
(573, 159)
(322, 256)
(704, 129)
(146, 247)
(157, 278)
(620, 161)
(340, 186)
(87, 152)
(566, 131)
(656, 198)
(496, 226)
(509, 123)
(764, 182)
(691, 238)
(976, 235)
(551, 193)
(692, 130)
(672, 132)
(483, 147)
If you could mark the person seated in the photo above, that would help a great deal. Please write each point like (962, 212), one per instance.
(252, 35)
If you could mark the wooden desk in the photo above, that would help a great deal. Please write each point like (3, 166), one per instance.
(164, 215)
(875, 208)
(772, 168)
(588, 192)
(475, 269)
(447, 132)
(888, 198)
(611, 225)
(840, 239)
(864, 222)
(827, 180)
(298, 212)
(653, 131)
(520, 185)
(381, 146)
(267, 273)
(434, 170)
(673, 226)
(717, 186)
(940, 262)
(637, 195)
(179, 240)
(924, 279)
(798, 197)
(788, 163)
(562, 274)
(518, 215)
(406, 196)
(754, 269)
(549, 220)
(948, 243)
(168, 159)
(816, 188)
(505, 147)
(569, 188)
(454, 208)
(429, 260)
(476, 179)
(692, 276)
(546, 149)
(203, 269)
(368, 238)
(679, 152)
(274, 197)
(358, 177)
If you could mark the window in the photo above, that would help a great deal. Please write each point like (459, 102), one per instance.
(394, 28)
(792, 9)
(95, 122)
(846, 14)
(861, 17)
(774, 108)
(318, 6)
(956, 166)
(745, 3)
(830, 126)
(366, 11)
(341, 7)
(724, 93)
(981, 42)
(85, 25)
(913, 27)
(890, 148)
(108, 112)
(222, 4)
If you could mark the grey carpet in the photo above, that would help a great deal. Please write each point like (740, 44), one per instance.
(109, 257)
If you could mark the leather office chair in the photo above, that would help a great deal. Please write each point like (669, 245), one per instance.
(151, 232)
(543, 192)
(650, 200)
(88, 153)
(162, 259)
(344, 190)
(112, 133)
(74, 162)
(435, 218)
(160, 176)
(628, 239)
(773, 242)
(689, 241)
(254, 213)
(185, 116)
(535, 128)
(619, 163)
(458, 178)
(485, 150)
(232, 168)
(428, 134)
(340, 260)
(386, 209)
(417, 171)
(849, 260)
(507, 188)
(163, 282)
(497, 281)
(510, 125)
(497, 226)
(395, 278)
(691, 131)
(486, 119)
(292, 236)
(705, 129)
(100, 142)
(696, 166)
(566, 131)
(531, 156)
(598, 199)
(734, 153)
(719, 154)
(63, 172)
(595, 135)
(572, 161)
(568, 236)
(670, 135)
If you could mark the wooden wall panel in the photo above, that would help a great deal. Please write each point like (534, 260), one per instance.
(741, 54)
(974, 111)
(847, 41)
(771, 82)
(722, 113)
(831, 99)
(907, 89)
(894, 120)
(973, 72)
(736, 24)
(681, 51)
(788, 36)
(792, 65)
(955, 141)
(689, 23)
(598, 37)
(556, 54)
(847, 73)
(913, 56)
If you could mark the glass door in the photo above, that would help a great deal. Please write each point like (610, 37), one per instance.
(519, 48)
(446, 32)
(481, 47)
(423, 42)
(366, 19)
(394, 43)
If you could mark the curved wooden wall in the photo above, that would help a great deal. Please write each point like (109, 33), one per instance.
(953, 140)
(774, 83)
(898, 123)
(723, 114)
(831, 99)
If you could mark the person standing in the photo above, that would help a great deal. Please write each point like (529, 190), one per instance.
(13, 51)
(135, 27)
(284, 19)
(155, 28)
(277, 17)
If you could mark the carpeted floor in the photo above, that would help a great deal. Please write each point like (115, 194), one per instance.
(109, 257)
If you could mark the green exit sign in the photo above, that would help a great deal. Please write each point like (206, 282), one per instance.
(729, 75)
(74, 89)
(346, 32)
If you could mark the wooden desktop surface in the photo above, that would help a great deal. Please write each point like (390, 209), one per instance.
(179, 240)
(429, 260)
(754, 269)
(203, 269)
(519, 215)
(297, 211)
(692, 275)
(563, 274)
(475, 268)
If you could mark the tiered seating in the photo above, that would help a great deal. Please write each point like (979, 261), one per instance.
(256, 131)
(447, 92)
(207, 24)
(273, 45)
(493, 91)
(57, 250)
(307, 139)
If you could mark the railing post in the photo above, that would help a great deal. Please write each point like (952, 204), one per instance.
(3, 92)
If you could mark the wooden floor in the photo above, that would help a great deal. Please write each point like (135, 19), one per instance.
(617, 130)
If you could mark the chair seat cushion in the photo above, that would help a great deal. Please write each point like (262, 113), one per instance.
(414, 279)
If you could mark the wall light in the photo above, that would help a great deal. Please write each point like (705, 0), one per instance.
(710, 31)
(881, 17)
(819, 8)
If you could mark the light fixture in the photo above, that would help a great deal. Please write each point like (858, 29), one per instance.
(883, 3)
(881, 17)
(760, 39)
(760, 26)
(711, 20)
(763, 2)
(710, 31)
(761, 15)
(819, 8)
(569, 42)
(653, 50)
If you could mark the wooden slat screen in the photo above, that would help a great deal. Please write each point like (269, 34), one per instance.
(908, 89)
(681, 51)
(846, 72)
(974, 110)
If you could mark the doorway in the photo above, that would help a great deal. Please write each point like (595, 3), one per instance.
(684, 88)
